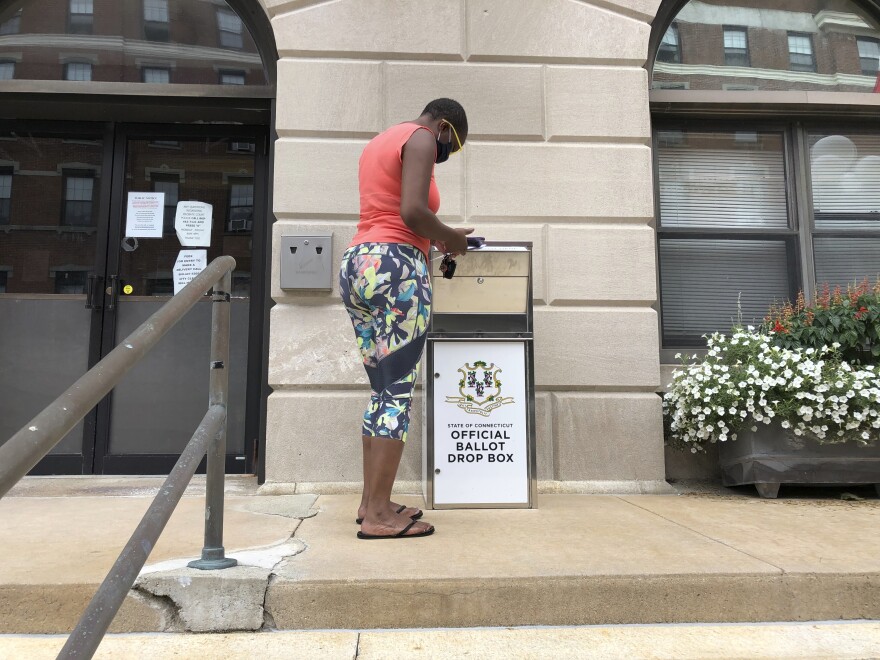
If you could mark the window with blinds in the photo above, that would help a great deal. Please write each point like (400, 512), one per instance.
(845, 185)
(845, 181)
(728, 243)
(842, 261)
(722, 180)
(709, 285)
(725, 238)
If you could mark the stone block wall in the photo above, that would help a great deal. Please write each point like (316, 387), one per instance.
(558, 154)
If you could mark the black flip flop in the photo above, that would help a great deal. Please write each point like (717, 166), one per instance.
(402, 534)
(402, 508)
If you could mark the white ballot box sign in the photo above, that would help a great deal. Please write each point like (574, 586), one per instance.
(480, 422)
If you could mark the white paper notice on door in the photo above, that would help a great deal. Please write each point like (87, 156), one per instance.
(193, 224)
(189, 264)
(143, 218)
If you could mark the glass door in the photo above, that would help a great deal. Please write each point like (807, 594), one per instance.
(54, 198)
(151, 415)
(77, 275)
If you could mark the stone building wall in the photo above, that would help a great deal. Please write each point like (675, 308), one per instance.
(558, 154)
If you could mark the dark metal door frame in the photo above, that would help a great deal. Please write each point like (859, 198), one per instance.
(80, 463)
(111, 205)
(103, 461)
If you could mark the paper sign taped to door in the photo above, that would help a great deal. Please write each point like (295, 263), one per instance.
(189, 264)
(143, 218)
(193, 224)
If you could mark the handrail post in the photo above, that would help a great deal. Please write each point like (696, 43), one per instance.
(213, 554)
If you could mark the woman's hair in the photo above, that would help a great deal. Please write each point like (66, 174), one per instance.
(449, 110)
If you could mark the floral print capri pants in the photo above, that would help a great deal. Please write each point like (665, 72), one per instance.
(386, 290)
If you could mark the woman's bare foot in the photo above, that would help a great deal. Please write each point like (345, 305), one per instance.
(390, 523)
(409, 511)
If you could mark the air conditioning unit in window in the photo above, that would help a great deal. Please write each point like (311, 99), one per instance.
(242, 147)
(240, 219)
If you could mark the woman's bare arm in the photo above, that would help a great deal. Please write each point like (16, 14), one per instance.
(418, 162)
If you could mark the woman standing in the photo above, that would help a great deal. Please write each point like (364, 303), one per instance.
(386, 288)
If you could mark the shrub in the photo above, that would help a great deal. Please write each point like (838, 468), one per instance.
(851, 319)
(748, 379)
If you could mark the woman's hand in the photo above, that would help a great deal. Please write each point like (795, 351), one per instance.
(457, 243)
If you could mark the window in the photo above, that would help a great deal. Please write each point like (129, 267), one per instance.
(77, 71)
(845, 184)
(232, 77)
(193, 39)
(736, 46)
(230, 27)
(670, 46)
(170, 185)
(5, 195)
(241, 284)
(71, 281)
(869, 55)
(154, 74)
(156, 20)
(4, 276)
(79, 190)
(800, 52)
(242, 148)
(80, 17)
(766, 45)
(11, 25)
(160, 286)
(241, 205)
(725, 239)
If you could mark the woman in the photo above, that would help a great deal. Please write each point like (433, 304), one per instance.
(386, 288)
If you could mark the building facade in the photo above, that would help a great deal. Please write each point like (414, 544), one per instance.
(663, 199)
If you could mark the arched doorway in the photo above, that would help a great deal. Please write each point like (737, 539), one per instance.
(104, 106)
(767, 157)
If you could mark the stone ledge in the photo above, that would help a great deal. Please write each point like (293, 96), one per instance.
(414, 488)
(572, 600)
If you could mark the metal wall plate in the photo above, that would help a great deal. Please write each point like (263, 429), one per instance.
(307, 262)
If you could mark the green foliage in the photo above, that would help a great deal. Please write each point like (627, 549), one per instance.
(851, 319)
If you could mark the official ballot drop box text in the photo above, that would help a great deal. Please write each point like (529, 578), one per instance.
(479, 421)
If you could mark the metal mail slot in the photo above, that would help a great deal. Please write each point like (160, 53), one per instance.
(489, 262)
(491, 280)
(481, 295)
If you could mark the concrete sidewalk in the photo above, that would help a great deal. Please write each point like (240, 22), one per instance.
(816, 641)
(577, 559)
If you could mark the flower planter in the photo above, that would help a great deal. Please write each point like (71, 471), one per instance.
(772, 456)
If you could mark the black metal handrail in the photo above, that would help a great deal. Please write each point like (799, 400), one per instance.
(37, 438)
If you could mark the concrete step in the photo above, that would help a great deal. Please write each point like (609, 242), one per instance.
(576, 560)
(814, 640)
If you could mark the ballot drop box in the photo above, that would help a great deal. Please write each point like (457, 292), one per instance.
(479, 421)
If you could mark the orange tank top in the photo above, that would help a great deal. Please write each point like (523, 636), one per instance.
(379, 176)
